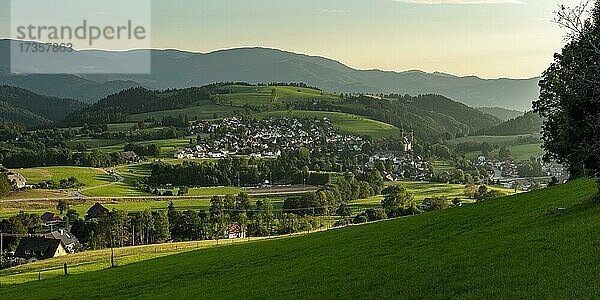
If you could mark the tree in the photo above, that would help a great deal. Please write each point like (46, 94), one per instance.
(435, 203)
(72, 215)
(343, 210)
(553, 181)
(153, 150)
(375, 214)
(569, 92)
(62, 206)
(182, 191)
(504, 153)
(5, 185)
(398, 201)
(471, 191)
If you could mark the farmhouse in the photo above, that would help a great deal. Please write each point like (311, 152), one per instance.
(17, 179)
(38, 248)
(129, 157)
(97, 211)
(70, 242)
(49, 219)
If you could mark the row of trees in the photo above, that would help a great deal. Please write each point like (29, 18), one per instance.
(152, 150)
(291, 168)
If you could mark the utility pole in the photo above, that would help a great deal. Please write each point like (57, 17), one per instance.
(1, 249)
(112, 251)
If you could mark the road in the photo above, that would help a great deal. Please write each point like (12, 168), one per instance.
(77, 194)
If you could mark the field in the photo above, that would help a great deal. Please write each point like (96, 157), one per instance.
(201, 110)
(100, 259)
(261, 95)
(421, 190)
(90, 177)
(167, 147)
(240, 97)
(518, 152)
(494, 140)
(515, 247)
(345, 122)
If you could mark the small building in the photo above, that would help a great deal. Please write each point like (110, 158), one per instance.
(38, 248)
(129, 157)
(97, 211)
(50, 218)
(70, 242)
(235, 231)
(179, 154)
(17, 179)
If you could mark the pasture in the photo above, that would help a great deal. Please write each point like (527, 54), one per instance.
(342, 121)
(511, 247)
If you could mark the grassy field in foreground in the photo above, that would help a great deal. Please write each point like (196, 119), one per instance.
(520, 246)
(346, 122)
(95, 260)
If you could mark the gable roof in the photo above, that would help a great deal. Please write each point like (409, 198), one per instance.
(97, 211)
(65, 236)
(50, 217)
(38, 247)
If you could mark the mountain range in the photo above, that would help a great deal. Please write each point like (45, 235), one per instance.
(181, 69)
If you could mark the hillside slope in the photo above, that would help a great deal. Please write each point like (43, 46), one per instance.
(527, 123)
(55, 109)
(501, 113)
(10, 113)
(514, 247)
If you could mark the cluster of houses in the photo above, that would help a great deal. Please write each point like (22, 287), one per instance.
(505, 172)
(411, 167)
(53, 240)
(266, 137)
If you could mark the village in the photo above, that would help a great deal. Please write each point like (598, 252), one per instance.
(525, 175)
(250, 137)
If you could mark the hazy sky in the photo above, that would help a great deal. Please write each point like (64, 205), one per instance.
(488, 38)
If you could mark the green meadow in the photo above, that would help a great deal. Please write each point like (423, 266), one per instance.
(345, 122)
(541, 244)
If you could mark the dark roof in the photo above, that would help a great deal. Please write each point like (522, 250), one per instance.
(235, 228)
(50, 217)
(38, 247)
(65, 236)
(97, 211)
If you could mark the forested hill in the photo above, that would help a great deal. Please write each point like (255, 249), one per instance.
(117, 107)
(430, 116)
(530, 122)
(15, 114)
(24, 106)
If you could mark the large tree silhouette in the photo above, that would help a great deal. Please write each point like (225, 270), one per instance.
(570, 93)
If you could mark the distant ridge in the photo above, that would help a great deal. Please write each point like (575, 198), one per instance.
(181, 69)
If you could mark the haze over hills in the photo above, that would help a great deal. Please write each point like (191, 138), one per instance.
(501, 113)
(181, 69)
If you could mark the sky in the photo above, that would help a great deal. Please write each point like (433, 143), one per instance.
(486, 38)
